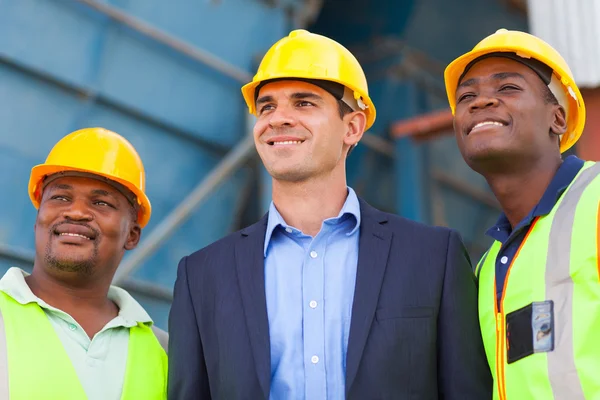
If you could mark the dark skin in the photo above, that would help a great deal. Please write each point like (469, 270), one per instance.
(82, 230)
(518, 152)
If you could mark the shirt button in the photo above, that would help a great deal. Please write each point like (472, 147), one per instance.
(504, 260)
(313, 254)
(312, 304)
(288, 230)
(314, 359)
(72, 327)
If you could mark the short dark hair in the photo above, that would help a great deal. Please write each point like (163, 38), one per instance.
(549, 97)
(343, 108)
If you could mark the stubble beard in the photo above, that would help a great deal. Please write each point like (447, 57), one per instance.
(81, 266)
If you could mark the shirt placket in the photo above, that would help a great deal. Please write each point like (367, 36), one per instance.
(313, 319)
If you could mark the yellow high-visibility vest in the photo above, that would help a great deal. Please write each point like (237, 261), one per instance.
(558, 261)
(39, 367)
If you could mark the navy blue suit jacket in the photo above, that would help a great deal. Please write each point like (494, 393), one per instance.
(414, 332)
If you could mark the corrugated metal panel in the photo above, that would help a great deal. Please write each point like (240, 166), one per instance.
(572, 28)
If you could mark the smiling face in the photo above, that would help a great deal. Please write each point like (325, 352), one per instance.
(503, 116)
(84, 226)
(299, 133)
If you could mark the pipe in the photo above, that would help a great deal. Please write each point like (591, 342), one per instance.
(172, 42)
(425, 126)
(18, 254)
(231, 162)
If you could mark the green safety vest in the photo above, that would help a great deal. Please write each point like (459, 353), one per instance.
(559, 261)
(39, 367)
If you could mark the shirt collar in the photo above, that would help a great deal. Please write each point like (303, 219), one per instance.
(13, 284)
(565, 174)
(351, 207)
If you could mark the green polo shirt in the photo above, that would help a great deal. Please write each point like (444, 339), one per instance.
(99, 362)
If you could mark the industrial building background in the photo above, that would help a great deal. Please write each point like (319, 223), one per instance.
(167, 76)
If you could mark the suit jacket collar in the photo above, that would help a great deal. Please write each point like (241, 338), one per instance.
(374, 245)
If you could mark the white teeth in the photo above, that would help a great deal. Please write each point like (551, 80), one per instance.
(288, 142)
(479, 125)
(75, 234)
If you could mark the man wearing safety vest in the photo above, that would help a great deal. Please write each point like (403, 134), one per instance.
(516, 109)
(65, 332)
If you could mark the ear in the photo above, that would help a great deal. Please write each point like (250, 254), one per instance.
(355, 127)
(558, 125)
(135, 233)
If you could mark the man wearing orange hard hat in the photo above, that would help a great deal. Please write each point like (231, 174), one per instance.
(325, 297)
(65, 332)
(516, 109)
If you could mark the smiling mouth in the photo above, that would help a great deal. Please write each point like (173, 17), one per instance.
(485, 124)
(75, 235)
(284, 142)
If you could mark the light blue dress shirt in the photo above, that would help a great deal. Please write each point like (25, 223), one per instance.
(309, 285)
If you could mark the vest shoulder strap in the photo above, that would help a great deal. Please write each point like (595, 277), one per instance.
(162, 336)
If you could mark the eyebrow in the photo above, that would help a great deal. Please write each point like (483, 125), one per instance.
(499, 76)
(59, 186)
(296, 95)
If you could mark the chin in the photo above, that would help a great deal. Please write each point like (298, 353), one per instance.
(81, 264)
(490, 159)
(289, 174)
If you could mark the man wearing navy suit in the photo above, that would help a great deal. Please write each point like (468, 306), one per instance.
(325, 297)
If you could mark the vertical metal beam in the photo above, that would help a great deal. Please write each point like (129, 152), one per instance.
(411, 179)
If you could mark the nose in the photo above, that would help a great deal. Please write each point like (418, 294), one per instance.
(482, 102)
(78, 210)
(282, 116)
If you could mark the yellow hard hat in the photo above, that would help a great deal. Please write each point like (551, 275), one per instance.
(96, 151)
(306, 55)
(525, 46)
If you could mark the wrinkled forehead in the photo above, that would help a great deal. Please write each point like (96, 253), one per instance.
(93, 182)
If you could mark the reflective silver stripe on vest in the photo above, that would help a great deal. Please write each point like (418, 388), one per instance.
(562, 372)
(4, 393)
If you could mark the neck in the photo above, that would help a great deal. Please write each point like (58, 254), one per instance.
(518, 192)
(305, 205)
(69, 292)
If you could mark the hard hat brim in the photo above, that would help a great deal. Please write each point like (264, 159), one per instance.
(39, 172)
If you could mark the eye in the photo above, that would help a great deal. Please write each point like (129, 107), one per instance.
(305, 103)
(465, 97)
(509, 87)
(266, 107)
(59, 198)
(103, 203)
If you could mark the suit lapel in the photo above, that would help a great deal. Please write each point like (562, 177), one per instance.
(251, 278)
(374, 245)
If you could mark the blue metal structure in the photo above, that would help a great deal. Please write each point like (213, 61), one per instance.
(167, 76)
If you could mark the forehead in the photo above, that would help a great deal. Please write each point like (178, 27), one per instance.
(488, 67)
(79, 183)
(286, 88)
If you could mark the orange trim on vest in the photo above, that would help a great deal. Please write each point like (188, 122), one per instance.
(500, 325)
